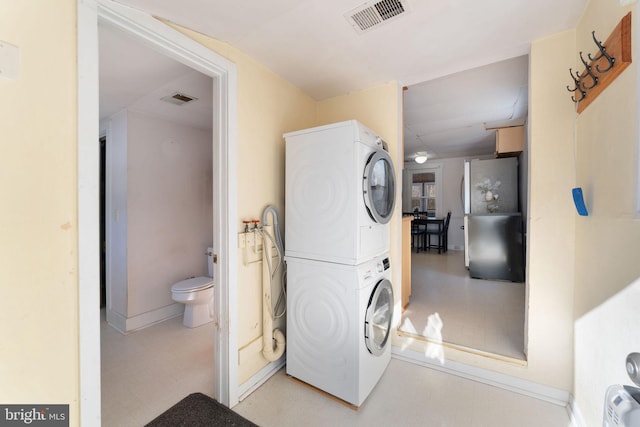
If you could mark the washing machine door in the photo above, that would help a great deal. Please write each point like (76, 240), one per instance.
(377, 320)
(379, 186)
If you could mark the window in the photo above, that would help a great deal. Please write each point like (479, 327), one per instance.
(422, 188)
(424, 191)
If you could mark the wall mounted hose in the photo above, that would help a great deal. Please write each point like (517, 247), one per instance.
(273, 340)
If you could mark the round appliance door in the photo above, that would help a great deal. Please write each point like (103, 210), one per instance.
(377, 320)
(379, 186)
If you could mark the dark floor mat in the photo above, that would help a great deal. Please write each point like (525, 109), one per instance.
(198, 409)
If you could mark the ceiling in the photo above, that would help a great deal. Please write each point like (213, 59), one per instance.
(456, 115)
(315, 47)
(136, 77)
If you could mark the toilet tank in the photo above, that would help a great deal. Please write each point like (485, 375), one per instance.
(210, 262)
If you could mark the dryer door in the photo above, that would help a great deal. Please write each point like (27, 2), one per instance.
(377, 320)
(379, 186)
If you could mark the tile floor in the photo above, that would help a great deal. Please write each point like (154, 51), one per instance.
(480, 314)
(146, 372)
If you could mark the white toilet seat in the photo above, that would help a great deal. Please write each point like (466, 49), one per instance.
(192, 285)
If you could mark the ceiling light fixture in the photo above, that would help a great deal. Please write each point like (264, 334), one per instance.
(420, 157)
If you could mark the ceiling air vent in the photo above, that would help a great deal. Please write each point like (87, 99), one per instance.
(178, 98)
(372, 14)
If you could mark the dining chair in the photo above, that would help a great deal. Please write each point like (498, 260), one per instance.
(441, 232)
(417, 235)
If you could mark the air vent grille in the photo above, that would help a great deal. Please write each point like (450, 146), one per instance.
(370, 14)
(178, 98)
(389, 8)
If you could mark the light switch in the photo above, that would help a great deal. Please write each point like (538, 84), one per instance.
(9, 61)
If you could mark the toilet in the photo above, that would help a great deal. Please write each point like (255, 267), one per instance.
(196, 294)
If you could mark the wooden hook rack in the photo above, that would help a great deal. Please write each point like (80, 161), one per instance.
(602, 69)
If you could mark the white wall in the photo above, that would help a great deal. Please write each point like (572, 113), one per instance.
(603, 339)
(452, 174)
(116, 216)
(607, 242)
(170, 208)
(161, 205)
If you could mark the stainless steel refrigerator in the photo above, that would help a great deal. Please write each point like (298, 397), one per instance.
(493, 224)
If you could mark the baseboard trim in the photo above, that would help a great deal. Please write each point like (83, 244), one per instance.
(126, 325)
(116, 320)
(507, 382)
(574, 413)
(255, 381)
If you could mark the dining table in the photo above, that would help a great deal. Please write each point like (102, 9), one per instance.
(430, 223)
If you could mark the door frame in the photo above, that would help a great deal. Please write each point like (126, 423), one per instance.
(160, 37)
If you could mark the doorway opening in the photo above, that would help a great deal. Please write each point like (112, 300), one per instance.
(453, 119)
(484, 317)
(446, 305)
(158, 224)
(181, 48)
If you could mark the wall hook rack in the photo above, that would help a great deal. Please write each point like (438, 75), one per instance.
(576, 87)
(613, 57)
(589, 73)
(603, 53)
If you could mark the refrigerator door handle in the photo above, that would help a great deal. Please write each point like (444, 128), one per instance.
(462, 193)
(466, 240)
(467, 190)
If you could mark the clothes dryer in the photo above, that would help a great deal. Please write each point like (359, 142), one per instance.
(338, 325)
(340, 193)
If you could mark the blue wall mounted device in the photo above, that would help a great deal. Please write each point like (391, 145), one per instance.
(578, 200)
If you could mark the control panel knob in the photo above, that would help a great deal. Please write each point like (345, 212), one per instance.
(633, 367)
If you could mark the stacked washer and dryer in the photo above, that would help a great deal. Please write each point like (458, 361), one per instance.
(340, 195)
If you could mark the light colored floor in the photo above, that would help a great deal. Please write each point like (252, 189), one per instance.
(146, 372)
(407, 395)
(480, 314)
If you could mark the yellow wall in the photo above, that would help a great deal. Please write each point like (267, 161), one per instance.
(38, 221)
(608, 240)
(551, 219)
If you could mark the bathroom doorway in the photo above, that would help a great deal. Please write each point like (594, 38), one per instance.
(162, 38)
(157, 167)
(157, 117)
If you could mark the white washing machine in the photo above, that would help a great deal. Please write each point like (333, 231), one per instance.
(340, 193)
(338, 325)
